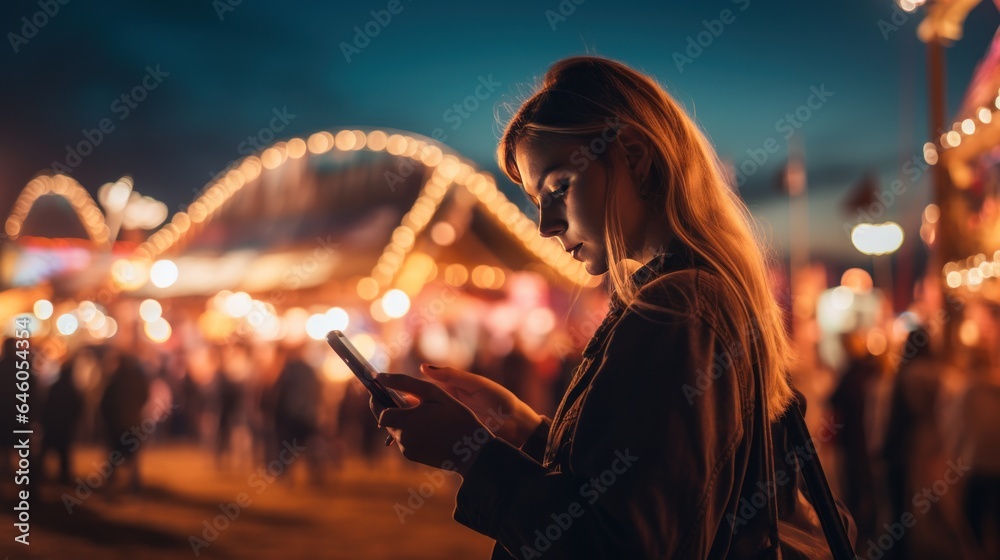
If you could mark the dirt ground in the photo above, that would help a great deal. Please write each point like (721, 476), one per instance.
(352, 514)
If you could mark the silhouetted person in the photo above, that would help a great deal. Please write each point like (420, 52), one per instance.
(9, 362)
(912, 444)
(60, 416)
(121, 408)
(979, 448)
(230, 395)
(355, 422)
(296, 407)
(849, 407)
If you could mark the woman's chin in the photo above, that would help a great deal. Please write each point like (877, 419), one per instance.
(594, 269)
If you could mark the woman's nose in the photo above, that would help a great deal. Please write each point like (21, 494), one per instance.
(550, 225)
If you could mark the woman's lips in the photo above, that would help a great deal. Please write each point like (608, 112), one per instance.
(575, 250)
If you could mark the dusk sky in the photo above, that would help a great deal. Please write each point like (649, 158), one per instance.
(222, 71)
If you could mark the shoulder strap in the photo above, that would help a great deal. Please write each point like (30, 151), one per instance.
(765, 443)
(819, 490)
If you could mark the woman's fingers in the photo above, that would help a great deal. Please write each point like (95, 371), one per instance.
(452, 377)
(423, 390)
(392, 418)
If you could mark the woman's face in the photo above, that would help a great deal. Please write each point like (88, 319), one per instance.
(569, 189)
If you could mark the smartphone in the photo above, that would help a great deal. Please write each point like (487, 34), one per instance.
(364, 370)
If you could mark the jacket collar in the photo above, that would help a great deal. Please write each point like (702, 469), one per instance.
(674, 257)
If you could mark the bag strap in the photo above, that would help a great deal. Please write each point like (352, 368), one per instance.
(765, 443)
(816, 482)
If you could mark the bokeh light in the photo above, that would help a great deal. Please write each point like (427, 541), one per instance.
(163, 273)
(43, 309)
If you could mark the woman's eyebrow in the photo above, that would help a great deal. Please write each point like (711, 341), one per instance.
(531, 197)
(541, 180)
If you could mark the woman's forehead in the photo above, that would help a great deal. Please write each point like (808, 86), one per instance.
(537, 157)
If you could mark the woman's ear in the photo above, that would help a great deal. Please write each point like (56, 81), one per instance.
(638, 152)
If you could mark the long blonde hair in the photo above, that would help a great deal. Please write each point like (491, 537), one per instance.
(579, 99)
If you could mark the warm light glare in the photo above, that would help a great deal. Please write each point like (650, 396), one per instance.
(968, 333)
(238, 304)
(456, 274)
(932, 213)
(150, 310)
(67, 324)
(337, 319)
(365, 344)
(43, 309)
(317, 325)
(163, 273)
(857, 279)
(443, 233)
(129, 274)
(86, 311)
(876, 342)
(368, 288)
(158, 331)
(540, 320)
(114, 196)
(395, 303)
(877, 239)
(842, 297)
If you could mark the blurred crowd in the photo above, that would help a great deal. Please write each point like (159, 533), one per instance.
(243, 401)
(916, 440)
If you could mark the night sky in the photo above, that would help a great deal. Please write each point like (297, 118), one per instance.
(222, 72)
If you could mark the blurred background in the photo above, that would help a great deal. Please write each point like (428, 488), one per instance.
(193, 195)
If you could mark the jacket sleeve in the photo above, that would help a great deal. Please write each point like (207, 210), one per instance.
(534, 446)
(651, 464)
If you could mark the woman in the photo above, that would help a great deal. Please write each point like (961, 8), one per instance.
(657, 448)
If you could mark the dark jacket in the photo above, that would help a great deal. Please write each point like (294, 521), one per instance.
(650, 454)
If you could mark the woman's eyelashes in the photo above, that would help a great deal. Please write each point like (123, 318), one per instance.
(562, 187)
(547, 197)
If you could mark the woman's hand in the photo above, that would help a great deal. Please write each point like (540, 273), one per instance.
(438, 431)
(491, 402)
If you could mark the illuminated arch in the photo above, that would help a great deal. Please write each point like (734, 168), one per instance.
(449, 170)
(79, 199)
